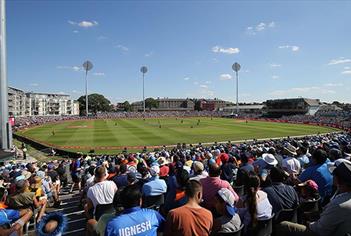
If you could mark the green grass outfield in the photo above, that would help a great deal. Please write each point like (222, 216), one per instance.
(109, 136)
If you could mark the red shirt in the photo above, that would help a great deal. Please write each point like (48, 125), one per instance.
(164, 170)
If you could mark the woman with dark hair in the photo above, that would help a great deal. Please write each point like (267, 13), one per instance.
(255, 204)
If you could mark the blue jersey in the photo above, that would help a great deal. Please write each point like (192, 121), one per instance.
(135, 221)
(321, 175)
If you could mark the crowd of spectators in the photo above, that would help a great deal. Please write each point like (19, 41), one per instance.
(192, 190)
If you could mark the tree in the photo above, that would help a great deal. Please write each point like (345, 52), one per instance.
(151, 103)
(127, 106)
(97, 103)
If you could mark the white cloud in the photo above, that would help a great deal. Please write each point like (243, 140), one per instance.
(340, 60)
(76, 91)
(219, 49)
(75, 31)
(149, 54)
(303, 91)
(225, 77)
(34, 84)
(186, 78)
(99, 73)
(203, 86)
(84, 23)
(275, 65)
(260, 27)
(346, 72)
(121, 47)
(196, 83)
(74, 68)
(275, 77)
(333, 85)
(291, 47)
(347, 68)
(208, 82)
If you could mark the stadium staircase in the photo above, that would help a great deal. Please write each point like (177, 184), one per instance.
(71, 208)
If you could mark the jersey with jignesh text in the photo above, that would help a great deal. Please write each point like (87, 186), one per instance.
(135, 221)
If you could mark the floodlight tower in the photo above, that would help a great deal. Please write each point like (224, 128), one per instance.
(87, 66)
(143, 70)
(236, 67)
(5, 127)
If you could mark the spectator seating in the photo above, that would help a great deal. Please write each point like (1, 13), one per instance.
(263, 227)
(235, 233)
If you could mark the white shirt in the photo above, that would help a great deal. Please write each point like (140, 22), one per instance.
(291, 165)
(90, 182)
(102, 192)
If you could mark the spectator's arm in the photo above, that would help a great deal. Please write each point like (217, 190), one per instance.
(18, 225)
(88, 207)
(236, 197)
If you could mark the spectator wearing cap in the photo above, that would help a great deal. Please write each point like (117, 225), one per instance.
(155, 186)
(308, 191)
(265, 163)
(101, 193)
(318, 172)
(133, 218)
(229, 220)
(212, 184)
(255, 204)
(164, 169)
(199, 171)
(190, 219)
(280, 195)
(335, 218)
(290, 163)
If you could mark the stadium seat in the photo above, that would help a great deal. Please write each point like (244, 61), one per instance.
(239, 190)
(234, 233)
(263, 227)
(153, 201)
(286, 215)
(103, 209)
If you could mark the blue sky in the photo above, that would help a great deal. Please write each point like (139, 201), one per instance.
(286, 49)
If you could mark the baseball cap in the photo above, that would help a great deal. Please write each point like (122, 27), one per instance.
(229, 199)
(131, 176)
(41, 174)
(309, 183)
(154, 170)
